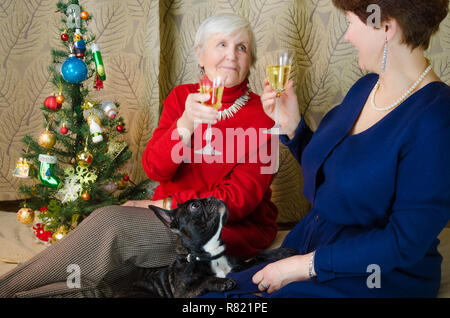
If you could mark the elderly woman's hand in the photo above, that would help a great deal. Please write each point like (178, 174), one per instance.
(143, 203)
(280, 273)
(288, 103)
(195, 112)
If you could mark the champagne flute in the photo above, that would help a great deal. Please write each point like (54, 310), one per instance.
(278, 68)
(215, 91)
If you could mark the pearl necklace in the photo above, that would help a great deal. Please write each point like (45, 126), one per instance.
(401, 99)
(233, 109)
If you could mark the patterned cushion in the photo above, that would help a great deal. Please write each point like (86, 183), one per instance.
(287, 189)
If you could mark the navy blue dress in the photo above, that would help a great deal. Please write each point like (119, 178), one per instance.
(380, 198)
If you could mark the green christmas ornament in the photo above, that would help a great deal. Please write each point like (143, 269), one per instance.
(46, 171)
(100, 68)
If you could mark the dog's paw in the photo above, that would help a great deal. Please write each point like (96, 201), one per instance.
(276, 254)
(239, 268)
(214, 284)
(132, 291)
(229, 284)
(287, 252)
(142, 284)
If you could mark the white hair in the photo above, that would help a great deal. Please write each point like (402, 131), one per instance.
(226, 24)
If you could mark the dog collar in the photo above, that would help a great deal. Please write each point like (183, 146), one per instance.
(193, 257)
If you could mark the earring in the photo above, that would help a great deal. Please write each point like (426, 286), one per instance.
(383, 65)
(201, 69)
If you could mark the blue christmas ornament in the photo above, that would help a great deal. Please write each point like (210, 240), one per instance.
(74, 70)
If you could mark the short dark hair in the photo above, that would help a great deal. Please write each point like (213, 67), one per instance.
(418, 19)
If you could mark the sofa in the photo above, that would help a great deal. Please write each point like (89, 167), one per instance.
(293, 206)
(17, 242)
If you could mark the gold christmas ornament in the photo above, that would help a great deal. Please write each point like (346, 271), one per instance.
(84, 157)
(25, 215)
(47, 139)
(87, 105)
(60, 98)
(84, 15)
(59, 234)
(86, 196)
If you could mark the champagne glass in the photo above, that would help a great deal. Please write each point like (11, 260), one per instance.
(278, 67)
(215, 91)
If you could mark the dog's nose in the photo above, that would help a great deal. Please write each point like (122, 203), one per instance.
(222, 207)
(215, 201)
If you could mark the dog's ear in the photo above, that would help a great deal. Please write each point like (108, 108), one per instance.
(166, 216)
(223, 210)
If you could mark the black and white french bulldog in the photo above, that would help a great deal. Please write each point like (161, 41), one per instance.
(201, 264)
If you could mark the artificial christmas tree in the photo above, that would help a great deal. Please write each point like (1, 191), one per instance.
(76, 161)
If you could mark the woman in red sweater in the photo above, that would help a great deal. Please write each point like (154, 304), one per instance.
(115, 241)
(239, 175)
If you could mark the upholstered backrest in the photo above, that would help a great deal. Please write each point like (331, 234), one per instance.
(287, 189)
(147, 49)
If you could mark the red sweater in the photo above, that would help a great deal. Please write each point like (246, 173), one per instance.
(233, 177)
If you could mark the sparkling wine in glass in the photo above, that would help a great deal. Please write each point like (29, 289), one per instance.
(215, 90)
(215, 93)
(278, 68)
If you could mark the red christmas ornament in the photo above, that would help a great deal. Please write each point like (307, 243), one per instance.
(126, 178)
(63, 130)
(119, 128)
(98, 83)
(40, 233)
(44, 208)
(51, 103)
(64, 37)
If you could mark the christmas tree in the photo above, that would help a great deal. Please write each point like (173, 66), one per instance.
(75, 163)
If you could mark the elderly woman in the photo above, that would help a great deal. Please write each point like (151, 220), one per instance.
(113, 242)
(376, 169)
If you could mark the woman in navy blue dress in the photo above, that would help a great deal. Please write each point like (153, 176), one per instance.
(377, 169)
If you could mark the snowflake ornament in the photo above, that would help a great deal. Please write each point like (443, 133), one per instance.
(74, 182)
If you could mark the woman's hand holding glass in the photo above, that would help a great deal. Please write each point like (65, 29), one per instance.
(214, 89)
(195, 113)
(278, 68)
(289, 113)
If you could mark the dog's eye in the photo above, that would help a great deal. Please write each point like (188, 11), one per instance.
(194, 206)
